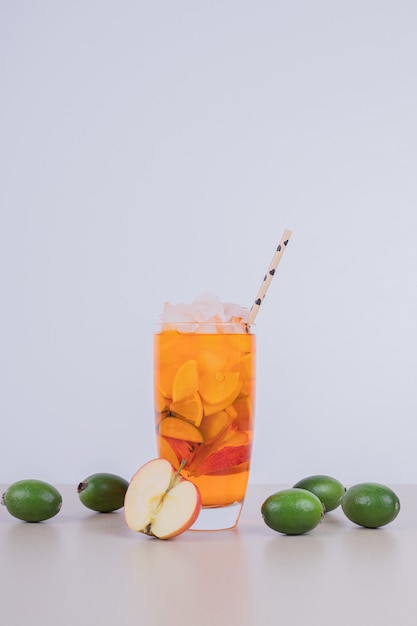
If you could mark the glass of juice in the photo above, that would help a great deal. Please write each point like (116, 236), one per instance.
(204, 388)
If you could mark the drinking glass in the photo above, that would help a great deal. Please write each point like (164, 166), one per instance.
(204, 391)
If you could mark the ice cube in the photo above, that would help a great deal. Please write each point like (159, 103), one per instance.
(207, 307)
(234, 311)
(207, 311)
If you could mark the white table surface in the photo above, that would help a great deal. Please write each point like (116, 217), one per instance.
(83, 568)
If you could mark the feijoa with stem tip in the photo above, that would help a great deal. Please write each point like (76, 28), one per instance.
(32, 500)
(370, 505)
(328, 489)
(292, 511)
(103, 492)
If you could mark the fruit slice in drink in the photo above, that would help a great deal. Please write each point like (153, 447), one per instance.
(190, 408)
(186, 381)
(180, 429)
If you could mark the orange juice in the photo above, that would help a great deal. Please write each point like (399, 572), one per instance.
(204, 385)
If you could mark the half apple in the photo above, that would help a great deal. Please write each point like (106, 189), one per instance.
(160, 502)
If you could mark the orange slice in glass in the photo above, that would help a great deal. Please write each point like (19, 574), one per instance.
(178, 428)
(245, 367)
(164, 380)
(230, 410)
(212, 425)
(226, 404)
(161, 403)
(186, 380)
(245, 412)
(190, 408)
(218, 387)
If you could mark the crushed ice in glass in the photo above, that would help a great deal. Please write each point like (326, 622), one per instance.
(205, 313)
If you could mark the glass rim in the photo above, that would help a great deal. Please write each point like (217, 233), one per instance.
(207, 328)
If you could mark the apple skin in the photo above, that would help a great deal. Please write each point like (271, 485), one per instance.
(160, 502)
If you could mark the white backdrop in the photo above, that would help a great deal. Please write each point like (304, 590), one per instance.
(151, 151)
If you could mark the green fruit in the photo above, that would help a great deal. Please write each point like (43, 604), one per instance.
(32, 500)
(292, 511)
(370, 505)
(327, 489)
(103, 492)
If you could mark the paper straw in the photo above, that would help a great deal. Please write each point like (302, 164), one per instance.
(268, 277)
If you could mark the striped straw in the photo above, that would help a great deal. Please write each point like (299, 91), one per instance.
(268, 277)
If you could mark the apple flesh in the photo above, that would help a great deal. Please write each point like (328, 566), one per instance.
(160, 502)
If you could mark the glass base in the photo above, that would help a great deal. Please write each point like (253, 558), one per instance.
(218, 518)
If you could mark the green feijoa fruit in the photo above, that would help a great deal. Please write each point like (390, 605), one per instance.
(292, 511)
(327, 489)
(103, 492)
(32, 500)
(370, 505)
